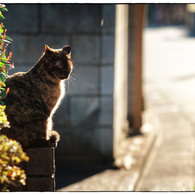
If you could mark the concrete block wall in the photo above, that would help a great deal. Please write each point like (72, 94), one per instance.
(39, 170)
(84, 120)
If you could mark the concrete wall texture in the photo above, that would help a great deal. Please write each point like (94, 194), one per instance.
(85, 118)
(93, 116)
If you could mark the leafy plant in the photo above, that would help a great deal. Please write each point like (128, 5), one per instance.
(3, 118)
(11, 153)
(5, 64)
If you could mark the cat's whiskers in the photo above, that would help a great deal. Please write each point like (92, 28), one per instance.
(70, 80)
(74, 63)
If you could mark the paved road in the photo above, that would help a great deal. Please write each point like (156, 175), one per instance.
(169, 63)
(169, 85)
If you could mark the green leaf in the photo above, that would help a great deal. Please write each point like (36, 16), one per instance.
(2, 77)
(3, 84)
(2, 103)
(8, 66)
(3, 92)
(2, 63)
(1, 30)
(1, 15)
(3, 9)
(8, 38)
(4, 58)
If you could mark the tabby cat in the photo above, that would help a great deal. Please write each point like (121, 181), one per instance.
(34, 97)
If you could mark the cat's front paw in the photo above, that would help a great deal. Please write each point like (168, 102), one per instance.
(54, 138)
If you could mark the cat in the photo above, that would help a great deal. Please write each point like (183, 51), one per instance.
(34, 97)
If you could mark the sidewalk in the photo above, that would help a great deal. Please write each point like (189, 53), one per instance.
(162, 159)
(171, 165)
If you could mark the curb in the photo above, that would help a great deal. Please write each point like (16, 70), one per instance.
(145, 155)
(132, 177)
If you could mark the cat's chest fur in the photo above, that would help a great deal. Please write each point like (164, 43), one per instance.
(51, 94)
(52, 98)
(58, 96)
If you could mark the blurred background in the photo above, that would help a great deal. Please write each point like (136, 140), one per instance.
(118, 51)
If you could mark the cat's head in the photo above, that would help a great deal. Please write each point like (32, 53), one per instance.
(58, 62)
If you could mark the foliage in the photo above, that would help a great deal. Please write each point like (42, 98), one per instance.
(5, 64)
(11, 153)
(3, 118)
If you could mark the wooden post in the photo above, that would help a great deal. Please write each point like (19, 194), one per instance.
(137, 100)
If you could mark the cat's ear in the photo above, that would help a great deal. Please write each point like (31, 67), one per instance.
(67, 49)
(47, 48)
